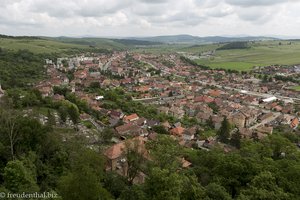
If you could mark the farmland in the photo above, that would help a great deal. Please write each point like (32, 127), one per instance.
(259, 54)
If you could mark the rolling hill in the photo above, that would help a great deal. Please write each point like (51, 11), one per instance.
(189, 39)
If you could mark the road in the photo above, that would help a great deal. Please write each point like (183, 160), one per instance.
(107, 65)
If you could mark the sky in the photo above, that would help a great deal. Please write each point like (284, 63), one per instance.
(125, 18)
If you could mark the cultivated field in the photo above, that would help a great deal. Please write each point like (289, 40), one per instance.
(259, 54)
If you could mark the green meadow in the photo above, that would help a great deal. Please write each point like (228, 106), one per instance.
(259, 54)
(297, 88)
(38, 45)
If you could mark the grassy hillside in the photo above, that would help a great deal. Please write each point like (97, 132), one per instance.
(65, 44)
(38, 45)
(259, 54)
(91, 42)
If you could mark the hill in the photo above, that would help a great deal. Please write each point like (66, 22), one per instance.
(189, 39)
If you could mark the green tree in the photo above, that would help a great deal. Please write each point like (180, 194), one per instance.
(236, 139)
(135, 158)
(83, 180)
(63, 113)
(73, 113)
(160, 129)
(165, 152)
(106, 135)
(82, 185)
(17, 178)
(264, 187)
(215, 191)
(161, 184)
(210, 123)
(51, 118)
(224, 132)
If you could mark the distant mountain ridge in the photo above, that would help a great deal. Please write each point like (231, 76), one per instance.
(189, 39)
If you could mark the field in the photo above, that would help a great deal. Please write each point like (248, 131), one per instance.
(259, 54)
(297, 88)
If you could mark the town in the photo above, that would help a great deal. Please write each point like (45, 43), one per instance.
(187, 102)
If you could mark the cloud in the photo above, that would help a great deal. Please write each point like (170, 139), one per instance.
(253, 3)
(134, 17)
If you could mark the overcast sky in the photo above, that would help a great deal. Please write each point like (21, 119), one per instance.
(149, 17)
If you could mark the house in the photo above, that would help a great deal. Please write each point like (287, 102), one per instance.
(81, 74)
(205, 99)
(131, 118)
(151, 123)
(217, 120)
(203, 117)
(265, 130)
(116, 154)
(113, 155)
(140, 122)
(176, 112)
(246, 133)
(238, 119)
(214, 93)
(166, 125)
(189, 134)
(128, 129)
(266, 116)
(294, 123)
(177, 131)
(185, 163)
(45, 90)
(58, 97)
(116, 114)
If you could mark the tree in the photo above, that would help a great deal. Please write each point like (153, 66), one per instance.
(51, 118)
(236, 139)
(73, 113)
(210, 123)
(264, 187)
(63, 113)
(83, 180)
(81, 185)
(224, 131)
(134, 192)
(115, 184)
(160, 129)
(161, 184)
(9, 128)
(165, 152)
(191, 188)
(215, 191)
(265, 78)
(214, 107)
(17, 178)
(106, 135)
(135, 153)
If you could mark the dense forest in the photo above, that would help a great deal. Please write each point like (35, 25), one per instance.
(234, 45)
(21, 68)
